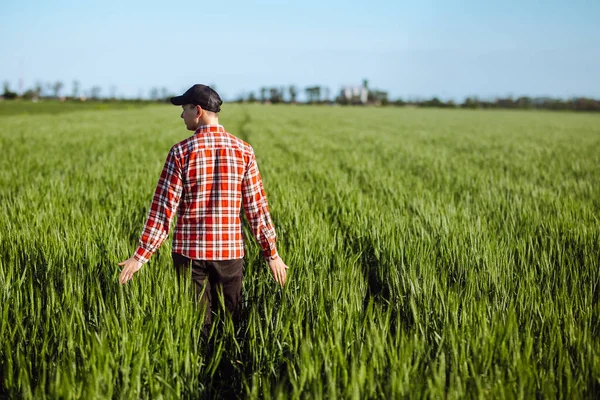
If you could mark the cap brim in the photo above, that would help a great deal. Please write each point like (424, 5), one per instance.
(177, 101)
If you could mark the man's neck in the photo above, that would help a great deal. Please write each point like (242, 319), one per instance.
(208, 121)
(208, 127)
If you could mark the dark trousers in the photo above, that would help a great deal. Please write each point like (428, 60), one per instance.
(210, 276)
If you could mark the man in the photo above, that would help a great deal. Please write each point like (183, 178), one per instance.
(206, 180)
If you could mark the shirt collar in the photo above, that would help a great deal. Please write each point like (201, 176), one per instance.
(209, 128)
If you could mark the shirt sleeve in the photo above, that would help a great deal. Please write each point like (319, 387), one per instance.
(257, 209)
(164, 205)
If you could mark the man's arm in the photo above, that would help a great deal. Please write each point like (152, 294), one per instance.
(257, 213)
(164, 205)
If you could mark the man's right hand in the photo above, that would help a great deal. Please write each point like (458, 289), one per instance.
(279, 270)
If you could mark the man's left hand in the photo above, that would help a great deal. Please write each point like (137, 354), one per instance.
(278, 269)
(130, 267)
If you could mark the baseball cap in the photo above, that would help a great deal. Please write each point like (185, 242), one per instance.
(200, 95)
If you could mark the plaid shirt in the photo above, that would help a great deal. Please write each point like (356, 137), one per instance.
(207, 178)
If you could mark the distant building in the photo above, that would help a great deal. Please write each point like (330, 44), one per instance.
(361, 95)
(354, 95)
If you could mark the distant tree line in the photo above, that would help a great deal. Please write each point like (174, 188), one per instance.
(54, 90)
(315, 94)
(528, 103)
(364, 96)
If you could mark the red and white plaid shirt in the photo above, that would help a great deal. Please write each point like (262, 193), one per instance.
(207, 178)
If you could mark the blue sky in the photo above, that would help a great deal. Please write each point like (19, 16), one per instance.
(418, 49)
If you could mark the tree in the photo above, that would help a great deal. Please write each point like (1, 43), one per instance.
(58, 85)
(251, 98)
(326, 95)
(263, 94)
(275, 95)
(75, 89)
(381, 97)
(154, 94)
(313, 93)
(470, 103)
(585, 104)
(8, 94)
(524, 102)
(309, 94)
(29, 95)
(293, 93)
(38, 89)
(434, 102)
(113, 92)
(342, 98)
(282, 93)
(505, 103)
(49, 89)
(95, 92)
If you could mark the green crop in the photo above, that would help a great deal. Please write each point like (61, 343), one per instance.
(432, 253)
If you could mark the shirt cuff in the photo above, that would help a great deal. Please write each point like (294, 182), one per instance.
(142, 255)
(270, 253)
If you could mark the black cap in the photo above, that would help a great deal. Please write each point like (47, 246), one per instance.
(200, 95)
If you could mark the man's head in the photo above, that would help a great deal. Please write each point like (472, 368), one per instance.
(200, 104)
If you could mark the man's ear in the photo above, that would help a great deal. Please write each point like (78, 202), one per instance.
(198, 111)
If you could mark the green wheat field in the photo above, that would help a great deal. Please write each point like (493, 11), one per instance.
(432, 253)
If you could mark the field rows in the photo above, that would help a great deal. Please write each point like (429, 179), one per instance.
(433, 253)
